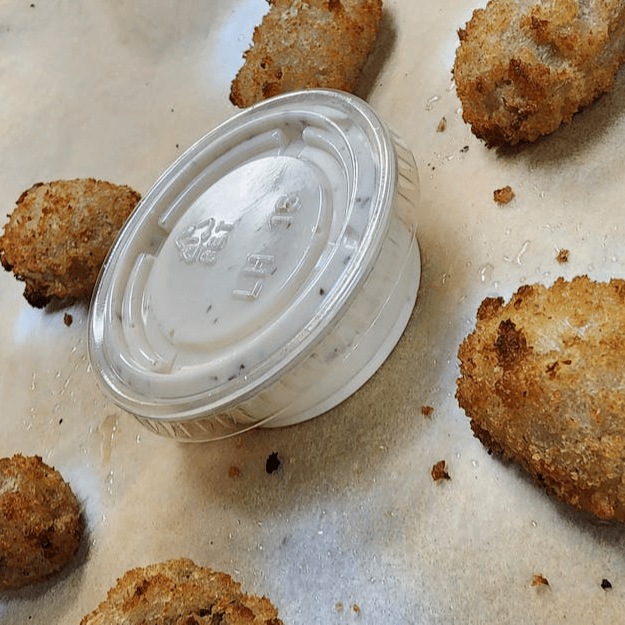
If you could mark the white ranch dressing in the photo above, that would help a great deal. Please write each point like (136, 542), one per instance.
(245, 289)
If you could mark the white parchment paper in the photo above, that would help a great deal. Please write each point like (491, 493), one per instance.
(351, 527)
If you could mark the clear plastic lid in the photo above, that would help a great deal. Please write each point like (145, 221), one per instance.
(243, 257)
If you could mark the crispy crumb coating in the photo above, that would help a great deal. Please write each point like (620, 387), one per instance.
(542, 378)
(40, 522)
(178, 592)
(59, 233)
(524, 67)
(304, 45)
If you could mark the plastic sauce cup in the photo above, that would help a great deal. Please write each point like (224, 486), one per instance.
(265, 276)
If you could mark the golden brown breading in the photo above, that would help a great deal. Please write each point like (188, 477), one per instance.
(524, 67)
(542, 380)
(303, 45)
(59, 233)
(178, 592)
(40, 522)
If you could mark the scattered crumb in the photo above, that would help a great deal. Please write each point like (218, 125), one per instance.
(442, 125)
(356, 608)
(503, 195)
(605, 584)
(539, 580)
(273, 462)
(464, 149)
(234, 471)
(339, 607)
(563, 256)
(439, 471)
(427, 411)
(68, 319)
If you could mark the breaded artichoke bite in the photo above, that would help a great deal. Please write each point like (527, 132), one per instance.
(59, 234)
(179, 592)
(40, 521)
(305, 45)
(524, 67)
(542, 378)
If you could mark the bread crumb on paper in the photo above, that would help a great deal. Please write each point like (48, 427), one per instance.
(439, 471)
(503, 195)
(273, 462)
(427, 411)
(539, 580)
(563, 256)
